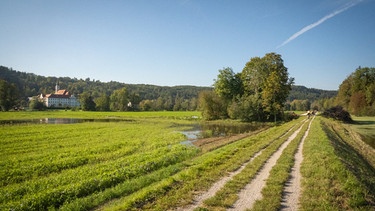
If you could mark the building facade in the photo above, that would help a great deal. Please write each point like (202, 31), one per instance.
(61, 99)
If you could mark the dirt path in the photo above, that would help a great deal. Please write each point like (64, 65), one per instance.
(292, 187)
(252, 191)
(198, 201)
(217, 186)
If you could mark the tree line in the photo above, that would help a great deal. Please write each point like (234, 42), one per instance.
(96, 95)
(357, 92)
(16, 87)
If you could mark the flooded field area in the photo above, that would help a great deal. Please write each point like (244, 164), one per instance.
(217, 130)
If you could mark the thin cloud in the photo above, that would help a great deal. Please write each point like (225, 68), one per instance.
(322, 20)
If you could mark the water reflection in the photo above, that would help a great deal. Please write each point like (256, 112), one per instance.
(208, 130)
(57, 121)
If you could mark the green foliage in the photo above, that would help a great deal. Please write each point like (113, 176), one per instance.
(29, 84)
(212, 106)
(119, 100)
(36, 104)
(310, 94)
(357, 92)
(87, 102)
(8, 95)
(228, 84)
(300, 105)
(102, 103)
(256, 93)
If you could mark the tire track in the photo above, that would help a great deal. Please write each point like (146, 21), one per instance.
(292, 189)
(252, 191)
(198, 201)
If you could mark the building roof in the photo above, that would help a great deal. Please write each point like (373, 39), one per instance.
(62, 92)
(59, 94)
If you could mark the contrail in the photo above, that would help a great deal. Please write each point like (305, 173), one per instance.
(317, 23)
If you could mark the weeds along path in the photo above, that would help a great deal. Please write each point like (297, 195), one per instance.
(252, 191)
(292, 189)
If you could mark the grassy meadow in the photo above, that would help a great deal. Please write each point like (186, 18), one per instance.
(140, 164)
(45, 166)
(366, 127)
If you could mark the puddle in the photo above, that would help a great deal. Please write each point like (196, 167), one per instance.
(191, 137)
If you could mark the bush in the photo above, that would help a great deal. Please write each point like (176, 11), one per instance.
(338, 113)
(289, 116)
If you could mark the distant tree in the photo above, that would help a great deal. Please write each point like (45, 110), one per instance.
(146, 105)
(102, 103)
(357, 103)
(357, 92)
(193, 104)
(177, 103)
(87, 102)
(300, 105)
(36, 104)
(119, 100)
(8, 95)
(212, 106)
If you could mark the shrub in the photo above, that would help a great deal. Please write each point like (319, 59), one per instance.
(338, 113)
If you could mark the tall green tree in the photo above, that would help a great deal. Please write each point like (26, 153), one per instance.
(119, 100)
(87, 102)
(228, 84)
(357, 92)
(102, 102)
(8, 95)
(268, 80)
(36, 104)
(212, 106)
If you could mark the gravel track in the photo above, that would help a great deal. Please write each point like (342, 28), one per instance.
(218, 185)
(253, 191)
(292, 189)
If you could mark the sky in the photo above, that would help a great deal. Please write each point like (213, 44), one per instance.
(186, 42)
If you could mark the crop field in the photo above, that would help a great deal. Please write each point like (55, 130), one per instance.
(139, 163)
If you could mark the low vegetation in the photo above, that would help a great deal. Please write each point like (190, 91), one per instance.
(139, 163)
(365, 127)
(330, 171)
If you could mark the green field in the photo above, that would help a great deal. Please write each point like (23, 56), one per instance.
(366, 127)
(140, 163)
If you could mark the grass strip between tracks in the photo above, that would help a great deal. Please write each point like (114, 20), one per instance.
(272, 192)
(228, 195)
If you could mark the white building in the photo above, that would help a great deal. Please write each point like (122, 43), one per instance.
(61, 99)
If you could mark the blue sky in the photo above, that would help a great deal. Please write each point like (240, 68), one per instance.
(186, 42)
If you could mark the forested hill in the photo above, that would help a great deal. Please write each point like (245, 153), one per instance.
(311, 94)
(30, 84)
